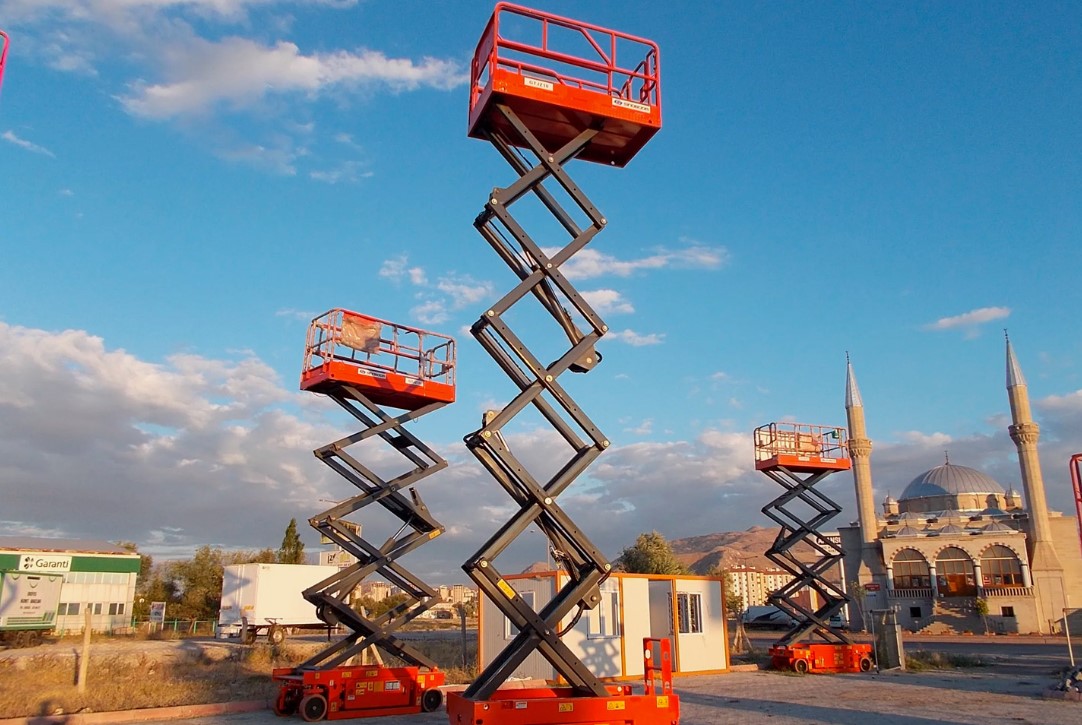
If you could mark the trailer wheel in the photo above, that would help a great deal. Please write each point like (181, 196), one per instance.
(248, 635)
(18, 639)
(431, 700)
(276, 634)
(865, 664)
(801, 667)
(313, 707)
(34, 638)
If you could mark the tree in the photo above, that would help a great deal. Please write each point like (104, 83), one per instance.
(199, 584)
(651, 554)
(980, 604)
(292, 549)
(859, 592)
(734, 602)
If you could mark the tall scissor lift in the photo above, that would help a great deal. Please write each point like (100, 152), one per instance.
(799, 457)
(366, 365)
(546, 90)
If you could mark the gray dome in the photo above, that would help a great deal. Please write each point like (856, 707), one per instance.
(950, 480)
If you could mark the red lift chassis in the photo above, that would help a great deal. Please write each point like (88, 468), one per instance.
(349, 692)
(547, 705)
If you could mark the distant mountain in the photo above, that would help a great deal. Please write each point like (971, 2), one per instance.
(726, 549)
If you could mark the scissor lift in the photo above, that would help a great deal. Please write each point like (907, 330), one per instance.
(546, 90)
(800, 456)
(365, 364)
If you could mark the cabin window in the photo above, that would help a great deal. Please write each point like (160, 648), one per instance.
(689, 606)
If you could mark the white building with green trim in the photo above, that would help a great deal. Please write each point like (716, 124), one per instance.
(98, 576)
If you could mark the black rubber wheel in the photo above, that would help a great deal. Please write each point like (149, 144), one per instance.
(248, 635)
(20, 639)
(327, 615)
(865, 664)
(286, 702)
(313, 707)
(33, 638)
(431, 700)
(276, 634)
(801, 667)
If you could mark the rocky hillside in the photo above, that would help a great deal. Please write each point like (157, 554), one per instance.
(727, 549)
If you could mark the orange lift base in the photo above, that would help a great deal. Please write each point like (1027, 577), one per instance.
(341, 693)
(800, 463)
(822, 658)
(548, 705)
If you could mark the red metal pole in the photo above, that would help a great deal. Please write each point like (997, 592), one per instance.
(3, 53)
(1076, 479)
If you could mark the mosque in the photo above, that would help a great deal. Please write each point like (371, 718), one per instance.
(955, 538)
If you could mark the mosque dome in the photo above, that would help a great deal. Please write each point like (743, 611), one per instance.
(950, 480)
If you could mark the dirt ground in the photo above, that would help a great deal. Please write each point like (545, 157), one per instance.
(1004, 692)
(889, 698)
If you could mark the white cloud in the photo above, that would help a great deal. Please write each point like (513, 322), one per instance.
(108, 446)
(589, 263)
(636, 339)
(346, 172)
(430, 312)
(237, 73)
(463, 290)
(10, 137)
(607, 301)
(970, 320)
(279, 159)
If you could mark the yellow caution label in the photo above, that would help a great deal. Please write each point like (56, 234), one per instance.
(615, 705)
(662, 701)
(567, 707)
(371, 673)
(507, 589)
(346, 674)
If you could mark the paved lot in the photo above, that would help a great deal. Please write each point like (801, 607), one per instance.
(984, 697)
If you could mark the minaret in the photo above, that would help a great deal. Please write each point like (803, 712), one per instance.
(1044, 563)
(860, 451)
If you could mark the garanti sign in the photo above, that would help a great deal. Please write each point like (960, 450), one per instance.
(56, 563)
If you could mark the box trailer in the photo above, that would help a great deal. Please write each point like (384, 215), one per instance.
(28, 602)
(266, 598)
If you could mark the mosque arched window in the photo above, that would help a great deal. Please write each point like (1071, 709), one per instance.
(1000, 568)
(955, 575)
(910, 570)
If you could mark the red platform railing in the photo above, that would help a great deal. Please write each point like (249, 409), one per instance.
(561, 76)
(398, 365)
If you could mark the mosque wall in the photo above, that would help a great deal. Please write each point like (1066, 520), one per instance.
(1065, 538)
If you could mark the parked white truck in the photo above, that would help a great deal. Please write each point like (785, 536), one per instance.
(258, 598)
(28, 602)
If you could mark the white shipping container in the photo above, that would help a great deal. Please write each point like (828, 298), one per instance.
(268, 596)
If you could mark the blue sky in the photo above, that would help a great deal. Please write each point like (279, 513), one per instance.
(188, 182)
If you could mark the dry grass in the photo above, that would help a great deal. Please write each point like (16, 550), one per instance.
(44, 684)
(919, 660)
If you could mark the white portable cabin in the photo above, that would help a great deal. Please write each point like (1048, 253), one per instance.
(686, 609)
